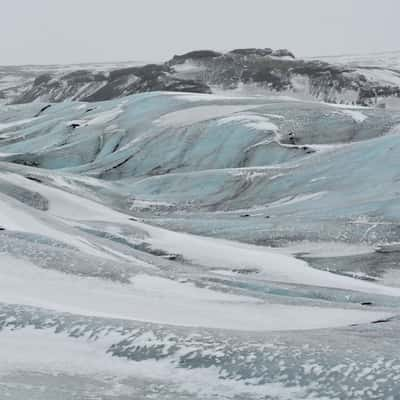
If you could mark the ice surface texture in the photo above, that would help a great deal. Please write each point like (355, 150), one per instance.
(180, 246)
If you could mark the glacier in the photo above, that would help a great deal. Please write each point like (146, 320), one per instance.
(199, 246)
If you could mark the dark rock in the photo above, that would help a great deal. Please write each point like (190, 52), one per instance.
(173, 257)
(246, 271)
(194, 55)
(28, 163)
(151, 77)
(42, 110)
(191, 86)
(252, 51)
(32, 178)
(381, 321)
(371, 93)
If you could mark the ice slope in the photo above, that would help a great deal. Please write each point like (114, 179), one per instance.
(220, 156)
(151, 241)
(226, 155)
(284, 163)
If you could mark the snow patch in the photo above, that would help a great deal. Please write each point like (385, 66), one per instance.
(357, 116)
(198, 114)
(159, 300)
(251, 121)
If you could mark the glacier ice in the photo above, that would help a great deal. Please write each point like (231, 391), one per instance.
(199, 246)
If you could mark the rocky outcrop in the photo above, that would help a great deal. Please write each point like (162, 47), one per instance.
(252, 52)
(204, 70)
(195, 55)
(280, 71)
(89, 86)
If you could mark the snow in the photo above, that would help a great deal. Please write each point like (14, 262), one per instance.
(201, 97)
(252, 121)
(16, 217)
(99, 118)
(62, 204)
(296, 199)
(357, 116)
(200, 250)
(147, 204)
(158, 300)
(271, 264)
(198, 114)
(388, 247)
(188, 66)
(85, 263)
(262, 93)
(130, 80)
(327, 249)
(381, 76)
(389, 59)
(44, 352)
(15, 124)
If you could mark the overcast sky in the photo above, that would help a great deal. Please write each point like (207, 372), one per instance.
(70, 31)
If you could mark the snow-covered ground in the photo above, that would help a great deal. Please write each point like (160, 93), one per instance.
(389, 59)
(198, 246)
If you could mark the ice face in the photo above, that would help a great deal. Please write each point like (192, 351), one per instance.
(198, 246)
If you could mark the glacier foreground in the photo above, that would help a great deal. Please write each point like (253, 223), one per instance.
(199, 246)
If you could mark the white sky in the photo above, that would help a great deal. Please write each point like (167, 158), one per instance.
(70, 31)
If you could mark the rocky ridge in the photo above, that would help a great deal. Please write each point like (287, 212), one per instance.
(206, 71)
